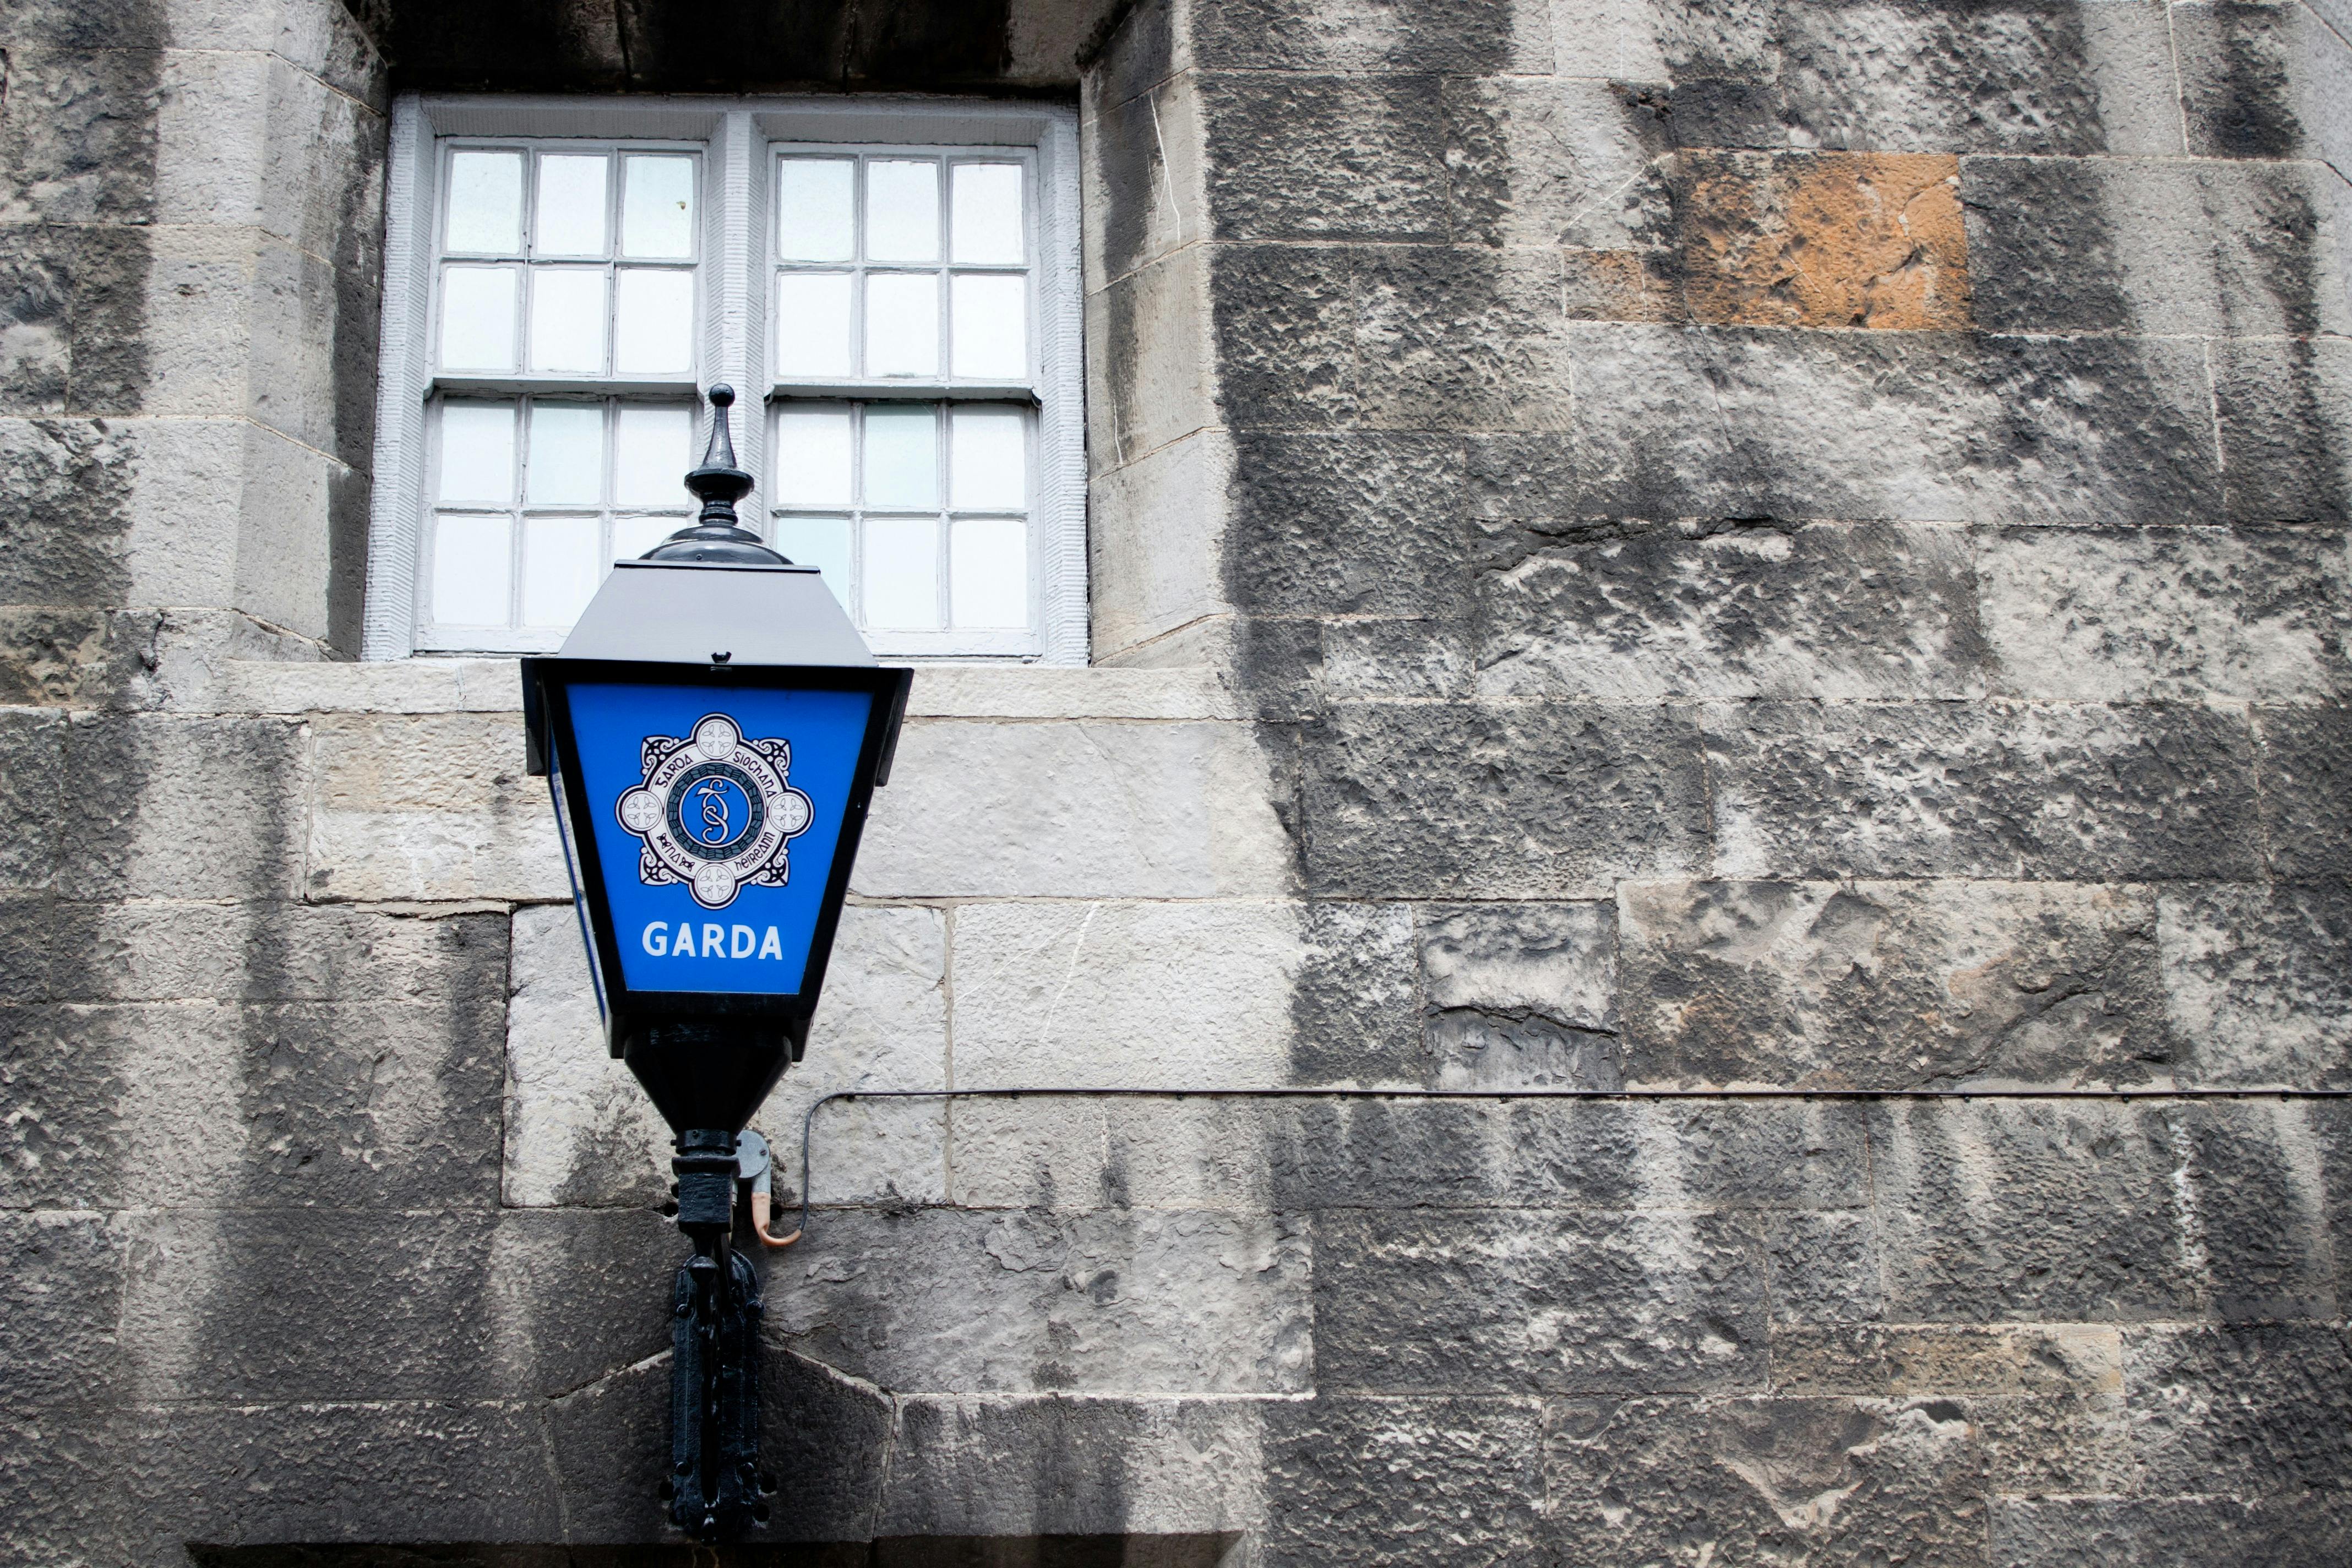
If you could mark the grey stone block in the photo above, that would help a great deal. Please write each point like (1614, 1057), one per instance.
(2286, 435)
(36, 313)
(1290, 156)
(1155, 536)
(1284, 336)
(455, 1306)
(62, 1487)
(184, 807)
(80, 144)
(2331, 1139)
(1540, 161)
(1536, 1301)
(446, 1471)
(1460, 338)
(429, 806)
(1143, 181)
(1401, 1480)
(1924, 76)
(1045, 1466)
(32, 748)
(957, 1301)
(1350, 525)
(1468, 36)
(2254, 982)
(2310, 1531)
(2166, 615)
(1830, 611)
(1540, 801)
(268, 953)
(61, 1300)
(1825, 1268)
(1385, 661)
(2259, 1222)
(2251, 1411)
(65, 497)
(1520, 994)
(1894, 985)
(2304, 761)
(2264, 81)
(1151, 376)
(2024, 791)
(2225, 250)
(1753, 422)
(1745, 1481)
(2019, 1210)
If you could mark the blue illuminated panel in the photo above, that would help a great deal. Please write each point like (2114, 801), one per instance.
(717, 818)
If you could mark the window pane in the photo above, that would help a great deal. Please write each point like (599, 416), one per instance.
(987, 459)
(471, 567)
(902, 323)
(822, 542)
(813, 323)
(991, 336)
(901, 454)
(654, 329)
(902, 211)
(478, 453)
(633, 536)
(570, 219)
(560, 568)
(658, 206)
(567, 455)
(486, 202)
(902, 586)
(813, 454)
(478, 317)
(814, 214)
(987, 212)
(650, 457)
(567, 320)
(988, 571)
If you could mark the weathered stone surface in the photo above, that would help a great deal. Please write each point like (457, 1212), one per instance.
(2286, 428)
(1381, 661)
(1050, 810)
(482, 1305)
(2264, 81)
(2304, 760)
(32, 748)
(1758, 1479)
(65, 496)
(2166, 615)
(1195, 995)
(1138, 1302)
(1822, 240)
(1992, 1210)
(384, 1471)
(430, 806)
(1824, 1268)
(1459, 337)
(2254, 1210)
(1143, 177)
(1507, 802)
(1480, 36)
(1989, 790)
(1285, 339)
(1771, 423)
(183, 807)
(1548, 161)
(2308, 1531)
(1072, 1466)
(1894, 985)
(2261, 1409)
(2254, 982)
(1323, 157)
(1155, 542)
(61, 1486)
(1536, 1301)
(1928, 76)
(61, 1300)
(2110, 245)
(1401, 1480)
(1829, 611)
(1152, 380)
(80, 144)
(1518, 995)
(1345, 524)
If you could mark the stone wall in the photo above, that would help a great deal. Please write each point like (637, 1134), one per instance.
(1636, 547)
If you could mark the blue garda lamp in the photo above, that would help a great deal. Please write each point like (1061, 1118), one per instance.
(711, 732)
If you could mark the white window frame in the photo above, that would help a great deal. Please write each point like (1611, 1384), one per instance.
(739, 138)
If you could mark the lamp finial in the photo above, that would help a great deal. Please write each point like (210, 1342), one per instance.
(717, 536)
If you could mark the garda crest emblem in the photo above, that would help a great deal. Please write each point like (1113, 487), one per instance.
(715, 811)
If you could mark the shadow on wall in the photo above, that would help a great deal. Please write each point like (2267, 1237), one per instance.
(904, 1551)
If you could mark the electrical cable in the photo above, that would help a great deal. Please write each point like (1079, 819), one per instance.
(808, 1119)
